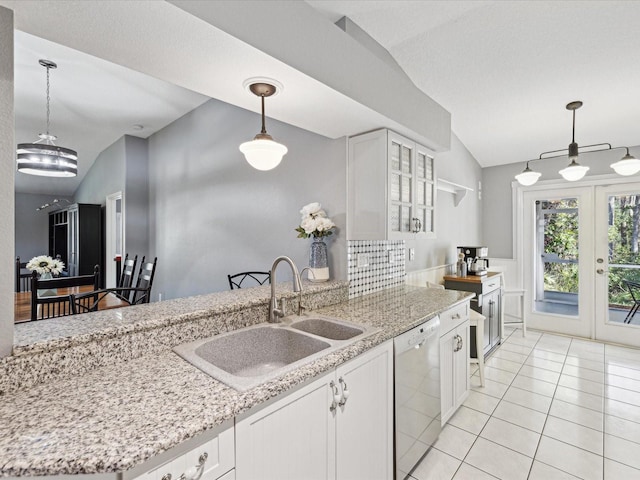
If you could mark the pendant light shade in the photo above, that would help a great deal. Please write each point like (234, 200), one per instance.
(528, 177)
(628, 165)
(263, 153)
(573, 172)
(44, 157)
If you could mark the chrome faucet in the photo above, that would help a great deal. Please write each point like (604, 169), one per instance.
(275, 311)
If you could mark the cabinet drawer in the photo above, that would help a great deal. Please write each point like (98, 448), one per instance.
(489, 286)
(450, 319)
(208, 461)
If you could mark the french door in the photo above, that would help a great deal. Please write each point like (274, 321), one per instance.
(581, 260)
(617, 263)
(557, 253)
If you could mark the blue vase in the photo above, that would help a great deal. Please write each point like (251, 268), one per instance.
(48, 292)
(318, 261)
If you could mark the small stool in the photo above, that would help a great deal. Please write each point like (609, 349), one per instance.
(477, 320)
(521, 320)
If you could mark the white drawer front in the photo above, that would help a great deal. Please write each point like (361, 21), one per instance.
(450, 319)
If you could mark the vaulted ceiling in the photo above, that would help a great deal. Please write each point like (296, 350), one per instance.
(506, 69)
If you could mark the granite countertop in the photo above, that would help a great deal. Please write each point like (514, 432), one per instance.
(115, 417)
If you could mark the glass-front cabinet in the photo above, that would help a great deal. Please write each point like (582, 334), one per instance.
(384, 161)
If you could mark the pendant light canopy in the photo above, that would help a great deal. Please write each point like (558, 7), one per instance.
(44, 157)
(628, 165)
(263, 153)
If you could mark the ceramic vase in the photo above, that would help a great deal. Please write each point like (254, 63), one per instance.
(318, 261)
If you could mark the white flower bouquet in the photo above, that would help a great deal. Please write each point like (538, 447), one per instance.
(45, 264)
(314, 222)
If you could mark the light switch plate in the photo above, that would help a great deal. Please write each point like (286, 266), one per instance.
(362, 260)
(391, 256)
(412, 253)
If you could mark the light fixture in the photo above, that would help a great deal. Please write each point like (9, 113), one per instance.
(46, 158)
(628, 165)
(263, 153)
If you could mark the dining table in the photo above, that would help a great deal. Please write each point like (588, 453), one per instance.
(22, 301)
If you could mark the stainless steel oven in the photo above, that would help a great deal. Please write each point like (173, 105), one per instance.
(416, 394)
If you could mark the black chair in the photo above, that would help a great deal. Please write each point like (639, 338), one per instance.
(59, 305)
(634, 290)
(235, 281)
(141, 293)
(128, 271)
(23, 279)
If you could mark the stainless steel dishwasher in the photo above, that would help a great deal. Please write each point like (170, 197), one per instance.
(416, 394)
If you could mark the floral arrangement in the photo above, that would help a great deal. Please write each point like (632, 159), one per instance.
(314, 222)
(45, 264)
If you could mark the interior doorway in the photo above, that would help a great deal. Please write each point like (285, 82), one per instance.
(114, 236)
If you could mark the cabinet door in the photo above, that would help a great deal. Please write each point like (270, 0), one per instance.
(289, 438)
(461, 365)
(401, 163)
(72, 239)
(448, 344)
(364, 424)
(425, 192)
(494, 306)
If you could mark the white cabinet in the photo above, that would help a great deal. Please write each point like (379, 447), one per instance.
(209, 456)
(311, 434)
(454, 359)
(391, 188)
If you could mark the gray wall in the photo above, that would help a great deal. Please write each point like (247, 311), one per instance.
(455, 226)
(122, 167)
(7, 171)
(212, 214)
(497, 185)
(136, 197)
(106, 175)
(32, 227)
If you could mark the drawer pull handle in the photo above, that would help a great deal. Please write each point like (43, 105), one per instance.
(456, 316)
(345, 392)
(336, 396)
(194, 473)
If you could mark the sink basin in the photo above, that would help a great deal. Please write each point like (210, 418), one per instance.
(332, 329)
(245, 358)
(268, 349)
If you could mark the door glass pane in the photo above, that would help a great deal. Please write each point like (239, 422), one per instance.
(556, 270)
(623, 257)
(420, 193)
(395, 156)
(395, 187)
(406, 189)
(406, 160)
(394, 220)
(429, 195)
(406, 219)
(421, 165)
(429, 169)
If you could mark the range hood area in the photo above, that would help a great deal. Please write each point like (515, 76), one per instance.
(213, 47)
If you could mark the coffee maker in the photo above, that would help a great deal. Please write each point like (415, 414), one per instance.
(476, 258)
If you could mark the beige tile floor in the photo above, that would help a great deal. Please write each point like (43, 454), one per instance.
(553, 407)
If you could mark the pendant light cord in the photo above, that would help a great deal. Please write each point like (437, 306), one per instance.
(264, 130)
(573, 131)
(48, 101)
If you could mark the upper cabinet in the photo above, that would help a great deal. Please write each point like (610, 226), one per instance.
(391, 188)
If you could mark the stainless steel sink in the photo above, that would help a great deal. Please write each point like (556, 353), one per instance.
(253, 355)
(332, 329)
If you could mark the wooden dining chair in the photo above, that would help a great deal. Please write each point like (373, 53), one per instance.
(43, 307)
(141, 293)
(261, 278)
(23, 279)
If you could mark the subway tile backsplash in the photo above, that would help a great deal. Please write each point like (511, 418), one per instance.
(376, 271)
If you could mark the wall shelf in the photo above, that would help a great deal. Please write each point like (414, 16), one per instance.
(458, 190)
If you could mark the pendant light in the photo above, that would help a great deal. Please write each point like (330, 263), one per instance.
(574, 171)
(263, 153)
(628, 165)
(46, 158)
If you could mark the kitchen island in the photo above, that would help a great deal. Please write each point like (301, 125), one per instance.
(134, 406)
